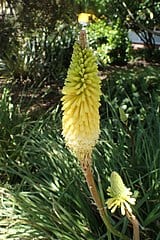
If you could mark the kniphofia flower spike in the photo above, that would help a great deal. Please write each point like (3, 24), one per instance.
(81, 96)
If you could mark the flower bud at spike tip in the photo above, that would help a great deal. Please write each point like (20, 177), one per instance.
(80, 101)
(120, 195)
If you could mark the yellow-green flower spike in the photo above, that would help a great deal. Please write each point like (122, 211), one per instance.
(80, 102)
(120, 195)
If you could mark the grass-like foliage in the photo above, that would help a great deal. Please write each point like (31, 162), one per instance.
(49, 190)
(43, 191)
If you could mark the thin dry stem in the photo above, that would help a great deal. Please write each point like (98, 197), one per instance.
(87, 170)
(83, 39)
(135, 223)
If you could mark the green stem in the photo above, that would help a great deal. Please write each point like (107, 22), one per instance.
(109, 236)
(95, 195)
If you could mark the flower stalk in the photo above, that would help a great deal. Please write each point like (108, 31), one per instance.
(87, 170)
(81, 119)
(132, 218)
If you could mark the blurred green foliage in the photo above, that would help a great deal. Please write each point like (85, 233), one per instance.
(36, 38)
(110, 42)
(40, 56)
(12, 125)
(36, 41)
(135, 90)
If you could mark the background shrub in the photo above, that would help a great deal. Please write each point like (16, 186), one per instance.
(110, 42)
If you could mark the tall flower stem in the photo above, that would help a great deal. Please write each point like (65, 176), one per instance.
(87, 170)
(135, 223)
(81, 119)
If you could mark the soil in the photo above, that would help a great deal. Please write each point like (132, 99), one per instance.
(32, 99)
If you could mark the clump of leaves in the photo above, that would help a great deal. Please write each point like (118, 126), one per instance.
(110, 43)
